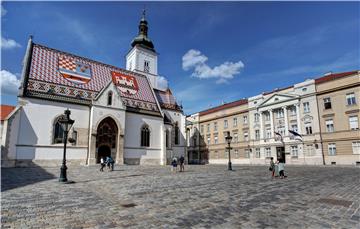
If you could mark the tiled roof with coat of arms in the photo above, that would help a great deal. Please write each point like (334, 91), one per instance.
(56, 74)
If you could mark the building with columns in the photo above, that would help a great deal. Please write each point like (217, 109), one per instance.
(324, 111)
(118, 112)
(273, 114)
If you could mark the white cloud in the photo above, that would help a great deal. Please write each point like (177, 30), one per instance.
(192, 58)
(9, 83)
(224, 72)
(162, 83)
(9, 43)
(3, 11)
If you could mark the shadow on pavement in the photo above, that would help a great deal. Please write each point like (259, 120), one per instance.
(18, 177)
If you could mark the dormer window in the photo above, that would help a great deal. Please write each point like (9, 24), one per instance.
(109, 100)
(146, 66)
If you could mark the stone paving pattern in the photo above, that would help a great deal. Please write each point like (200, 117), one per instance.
(201, 197)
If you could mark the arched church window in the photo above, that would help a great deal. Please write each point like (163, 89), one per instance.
(58, 136)
(145, 136)
(177, 130)
(146, 66)
(109, 101)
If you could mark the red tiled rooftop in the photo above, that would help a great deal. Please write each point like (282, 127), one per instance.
(334, 76)
(224, 106)
(5, 110)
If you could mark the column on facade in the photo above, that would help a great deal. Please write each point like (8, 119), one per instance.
(261, 125)
(286, 120)
(298, 118)
(271, 122)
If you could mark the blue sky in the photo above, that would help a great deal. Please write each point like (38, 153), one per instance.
(209, 52)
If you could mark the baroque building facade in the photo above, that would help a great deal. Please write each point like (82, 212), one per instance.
(263, 126)
(118, 112)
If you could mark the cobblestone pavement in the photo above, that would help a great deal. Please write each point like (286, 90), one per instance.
(202, 197)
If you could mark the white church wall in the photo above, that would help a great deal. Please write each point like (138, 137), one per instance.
(38, 116)
(35, 131)
(133, 152)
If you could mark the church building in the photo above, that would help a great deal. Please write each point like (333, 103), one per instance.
(117, 112)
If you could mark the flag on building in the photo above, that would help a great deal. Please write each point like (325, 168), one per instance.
(278, 134)
(295, 133)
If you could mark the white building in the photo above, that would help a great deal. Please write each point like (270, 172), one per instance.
(117, 112)
(293, 108)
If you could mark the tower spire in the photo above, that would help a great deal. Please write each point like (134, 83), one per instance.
(142, 37)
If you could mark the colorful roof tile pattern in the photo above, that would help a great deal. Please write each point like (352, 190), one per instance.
(167, 100)
(46, 76)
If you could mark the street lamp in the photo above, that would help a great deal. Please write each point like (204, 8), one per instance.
(228, 139)
(66, 124)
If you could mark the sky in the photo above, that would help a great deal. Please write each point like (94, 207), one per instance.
(209, 52)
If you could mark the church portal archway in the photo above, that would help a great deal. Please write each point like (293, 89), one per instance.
(106, 139)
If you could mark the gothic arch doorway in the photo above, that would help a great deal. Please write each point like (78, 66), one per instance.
(106, 139)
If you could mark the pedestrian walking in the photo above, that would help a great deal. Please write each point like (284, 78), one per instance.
(102, 164)
(182, 162)
(110, 163)
(281, 169)
(174, 164)
(272, 167)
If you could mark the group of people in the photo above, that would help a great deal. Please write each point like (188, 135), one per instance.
(278, 166)
(109, 162)
(174, 164)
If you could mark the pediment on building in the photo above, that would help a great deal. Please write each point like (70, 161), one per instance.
(102, 98)
(277, 98)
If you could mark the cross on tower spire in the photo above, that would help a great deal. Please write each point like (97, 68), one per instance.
(142, 37)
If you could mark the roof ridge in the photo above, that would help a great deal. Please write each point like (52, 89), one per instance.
(226, 105)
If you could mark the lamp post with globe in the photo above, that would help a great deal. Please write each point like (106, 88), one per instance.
(228, 139)
(66, 124)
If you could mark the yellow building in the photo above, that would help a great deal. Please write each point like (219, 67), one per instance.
(338, 97)
(324, 112)
(213, 125)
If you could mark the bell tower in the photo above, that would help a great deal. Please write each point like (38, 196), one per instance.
(142, 57)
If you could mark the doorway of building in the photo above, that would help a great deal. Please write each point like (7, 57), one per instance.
(103, 151)
(280, 154)
(106, 138)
